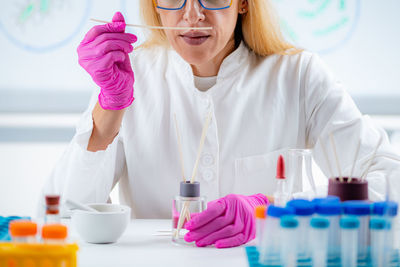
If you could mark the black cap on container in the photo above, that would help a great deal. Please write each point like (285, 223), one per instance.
(188, 189)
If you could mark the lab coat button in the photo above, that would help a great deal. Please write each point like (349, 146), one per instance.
(207, 160)
(208, 175)
(206, 102)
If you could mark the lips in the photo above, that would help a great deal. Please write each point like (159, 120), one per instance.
(195, 37)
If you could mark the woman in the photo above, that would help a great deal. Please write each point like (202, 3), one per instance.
(264, 95)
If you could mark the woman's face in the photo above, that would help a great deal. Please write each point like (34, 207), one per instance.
(198, 47)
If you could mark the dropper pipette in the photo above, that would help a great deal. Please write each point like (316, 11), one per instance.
(157, 27)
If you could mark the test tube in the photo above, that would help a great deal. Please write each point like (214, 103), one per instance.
(331, 209)
(319, 241)
(387, 210)
(54, 233)
(303, 209)
(260, 220)
(289, 232)
(23, 231)
(270, 245)
(349, 235)
(377, 227)
(362, 210)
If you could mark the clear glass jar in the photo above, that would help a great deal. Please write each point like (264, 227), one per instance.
(52, 209)
(187, 206)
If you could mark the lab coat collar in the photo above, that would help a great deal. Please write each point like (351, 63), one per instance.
(230, 65)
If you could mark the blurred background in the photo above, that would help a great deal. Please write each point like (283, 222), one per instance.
(43, 90)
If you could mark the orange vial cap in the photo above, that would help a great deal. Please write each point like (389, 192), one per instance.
(22, 228)
(260, 211)
(54, 231)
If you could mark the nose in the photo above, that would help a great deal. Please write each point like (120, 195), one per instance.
(193, 12)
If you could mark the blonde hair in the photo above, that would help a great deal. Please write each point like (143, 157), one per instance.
(258, 28)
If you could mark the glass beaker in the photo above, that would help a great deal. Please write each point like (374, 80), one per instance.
(299, 171)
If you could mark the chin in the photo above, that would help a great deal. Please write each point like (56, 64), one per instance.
(194, 58)
(195, 54)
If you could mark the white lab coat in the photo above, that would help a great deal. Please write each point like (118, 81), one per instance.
(259, 107)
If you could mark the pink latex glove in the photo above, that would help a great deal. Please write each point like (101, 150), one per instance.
(227, 222)
(103, 53)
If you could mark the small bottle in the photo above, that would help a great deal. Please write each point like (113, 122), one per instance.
(319, 241)
(289, 233)
(281, 195)
(260, 220)
(23, 231)
(349, 239)
(187, 203)
(54, 233)
(52, 209)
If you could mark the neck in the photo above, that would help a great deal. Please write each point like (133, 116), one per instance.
(211, 67)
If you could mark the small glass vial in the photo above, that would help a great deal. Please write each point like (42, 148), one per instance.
(54, 233)
(23, 231)
(52, 209)
(187, 203)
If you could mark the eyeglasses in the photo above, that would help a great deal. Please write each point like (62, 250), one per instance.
(179, 4)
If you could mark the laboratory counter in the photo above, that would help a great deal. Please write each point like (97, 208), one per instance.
(138, 246)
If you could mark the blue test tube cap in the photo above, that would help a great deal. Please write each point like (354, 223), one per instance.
(324, 199)
(289, 221)
(319, 223)
(356, 207)
(277, 212)
(350, 222)
(377, 223)
(302, 207)
(328, 208)
(385, 208)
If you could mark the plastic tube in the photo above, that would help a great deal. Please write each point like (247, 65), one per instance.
(289, 233)
(260, 212)
(377, 227)
(54, 233)
(303, 209)
(319, 241)
(23, 231)
(270, 245)
(387, 210)
(362, 210)
(331, 209)
(349, 235)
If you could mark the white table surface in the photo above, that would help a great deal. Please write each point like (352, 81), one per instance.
(138, 247)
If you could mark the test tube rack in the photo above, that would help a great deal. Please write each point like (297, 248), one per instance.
(252, 258)
(38, 254)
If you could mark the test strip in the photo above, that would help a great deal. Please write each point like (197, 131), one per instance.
(158, 27)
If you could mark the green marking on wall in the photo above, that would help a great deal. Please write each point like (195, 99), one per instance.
(332, 28)
(342, 4)
(316, 12)
(26, 13)
(44, 5)
(286, 28)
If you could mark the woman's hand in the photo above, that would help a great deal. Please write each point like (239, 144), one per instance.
(103, 53)
(227, 222)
